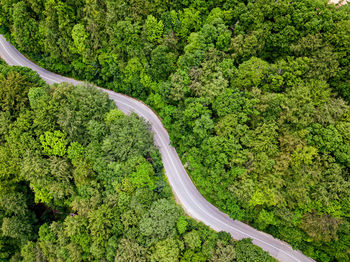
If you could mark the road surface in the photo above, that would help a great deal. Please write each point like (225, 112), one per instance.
(185, 192)
(338, 2)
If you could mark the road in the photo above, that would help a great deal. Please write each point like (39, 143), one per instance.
(183, 188)
(338, 2)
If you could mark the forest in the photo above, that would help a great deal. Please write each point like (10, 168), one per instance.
(81, 181)
(255, 95)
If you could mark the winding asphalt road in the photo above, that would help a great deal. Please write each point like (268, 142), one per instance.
(186, 193)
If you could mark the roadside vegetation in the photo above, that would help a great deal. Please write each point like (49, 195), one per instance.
(81, 181)
(255, 95)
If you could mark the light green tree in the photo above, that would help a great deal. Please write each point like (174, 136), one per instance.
(54, 143)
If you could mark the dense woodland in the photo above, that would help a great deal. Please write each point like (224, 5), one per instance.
(80, 181)
(255, 95)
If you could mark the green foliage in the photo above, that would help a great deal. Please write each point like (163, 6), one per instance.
(113, 116)
(320, 227)
(166, 251)
(224, 252)
(130, 251)
(15, 83)
(248, 252)
(34, 94)
(129, 138)
(181, 225)
(251, 73)
(192, 240)
(15, 227)
(69, 201)
(144, 176)
(75, 151)
(160, 221)
(77, 109)
(54, 143)
(25, 28)
(254, 95)
(79, 36)
(162, 63)
(154, 29)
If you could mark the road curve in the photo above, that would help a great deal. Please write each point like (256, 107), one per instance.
(186, 193)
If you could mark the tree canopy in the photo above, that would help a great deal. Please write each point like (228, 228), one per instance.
(255, 95)
(81, 181)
